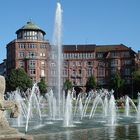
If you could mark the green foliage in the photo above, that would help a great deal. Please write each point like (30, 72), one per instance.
(91, 83)
(117, 83)
(18, 79)
(136, 75)
(42, 86)
(136, 78)
(67, 85)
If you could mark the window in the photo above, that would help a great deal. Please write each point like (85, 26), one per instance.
(22, 46)
(127, 71)
(113, 71)
(79, 63)
(128, 62)
(53, 72)
(31, 54)
(65, 63)
(42, 64)
(42, 46)
(31, 46)
(114, 54)
(53, 65)
(74, 64)
(21, 54)
(32, 63)
(32, 35)
(89, 72)
(99, 55)
(74, 72)
(79, 71)
(32, 71)
(125, 54)
(114, 62)
(21, 64)
(101, 72)
(65, 72)
(42, 54)
(89, 63)
(42, 73)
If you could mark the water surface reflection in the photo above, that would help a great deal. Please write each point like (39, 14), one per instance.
(120, 132)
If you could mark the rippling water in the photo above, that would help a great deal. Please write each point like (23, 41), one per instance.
(125, 132)
(95, 129)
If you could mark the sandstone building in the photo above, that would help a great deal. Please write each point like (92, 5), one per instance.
(30, 50)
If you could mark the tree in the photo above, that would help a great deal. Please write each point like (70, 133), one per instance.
(136, 78)
(67, 85)
(117, 83)
(91, 83)
(18, 79)
(42, 86)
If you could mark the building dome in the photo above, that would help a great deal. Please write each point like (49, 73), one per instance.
(30, 31)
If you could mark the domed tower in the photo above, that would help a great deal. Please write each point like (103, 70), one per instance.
(30, 31)
(30, 51)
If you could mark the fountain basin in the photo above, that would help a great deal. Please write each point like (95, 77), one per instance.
(95, 128)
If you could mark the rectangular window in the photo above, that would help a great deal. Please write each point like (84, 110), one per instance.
(114, 62)
(42, 73)
(113, 71)
(101, 72)
(32, 71)
(114, 54)
(99, 55)
(32, 54)
(21, 54)
(89, 72)
(22, 46)
(32, 64)
(21, 64)
(42, 64)
(127, 62)
(127, 71)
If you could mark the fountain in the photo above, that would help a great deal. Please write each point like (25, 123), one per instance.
(138, 112)
(57, 58)
(56, 114)
(6, 131)
(129, 104)
(68, 111)
(112, 111)
(98, 111)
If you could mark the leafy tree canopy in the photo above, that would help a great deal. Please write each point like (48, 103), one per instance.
(117, 83)
(136, 75)
(42, 86)
(18, 79)
(91, 83)
(67, 85)
(136, 78)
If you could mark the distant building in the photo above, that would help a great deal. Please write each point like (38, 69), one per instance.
(137, 60)
(82, 61)
(31, 51)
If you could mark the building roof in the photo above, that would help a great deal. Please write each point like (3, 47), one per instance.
(80, 48)
(30, 26)
(107, 48)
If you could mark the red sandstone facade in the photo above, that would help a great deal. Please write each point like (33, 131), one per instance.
(31, 51)
(82, 61)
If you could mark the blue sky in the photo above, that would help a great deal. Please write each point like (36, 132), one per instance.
(98, 22)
